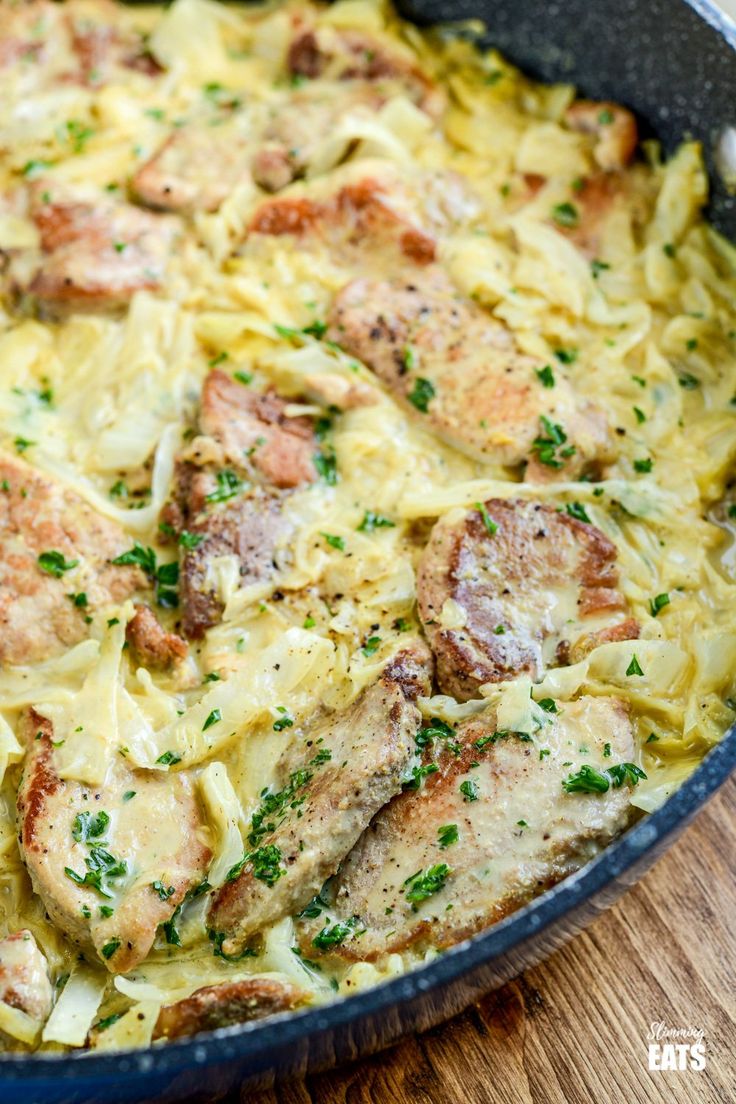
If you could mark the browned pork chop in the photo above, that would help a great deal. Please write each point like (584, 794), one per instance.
(459, 372)
(347, 768)
(111, 863)
(24, 976)
(357, 224)
(348, 55)
(231, 1002)
(486, 833)
(152, 645)
(53, 546)
(254, 430)
(195, 169)
(612, 129)
(95, 251)
(230, 487)
(509, 588)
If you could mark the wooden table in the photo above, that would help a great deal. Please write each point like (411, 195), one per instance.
(574, 1030)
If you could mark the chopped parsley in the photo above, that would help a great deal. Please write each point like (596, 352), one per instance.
(333, 936)
(212, 719)
(371, 645)
(658, 603)
(334, 542)
(86, 826)
(164, 576)
(284, 721)
(129, 795)
(548, 446)
(577, 510)
(101, 867)
(669, 250)
(189, 540)
(566, 356)
(110, 948)
(639, 415)
(325, 462)
(169, 759)
(372, 520)
(164, 892)
(643, 466)
(426, 883)
(266, 864)
(421, 394)
(54, 563)
(171, 931)
(546, 376)
(418, 774)
(586, 780)
(688, 381)
(596, 267)
(108, 1021)
(566, 214)
(22, 443)
(634, 667)
(489, 524)
(606, 751)
(469, 790)
(228, 486)
(548, 705)
(589, 780)
(447, 834)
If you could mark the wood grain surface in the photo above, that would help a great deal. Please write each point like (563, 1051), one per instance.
(574, 1030)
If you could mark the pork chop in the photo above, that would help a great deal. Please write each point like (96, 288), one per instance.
(459, 372)
(333, 782)
(231, 1002)
(362, 222)
(524, 582)
(195, 169)
(95, 251)
(230, 487)
(55, 568)
(24, 976)
(491, 829)
(151, 644)
(342, 54)
(110, 864)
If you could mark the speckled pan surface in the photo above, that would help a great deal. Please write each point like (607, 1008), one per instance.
(675, 63)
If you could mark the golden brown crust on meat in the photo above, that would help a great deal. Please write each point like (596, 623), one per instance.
(612, 127)
(362, 753)
(517, 586)
(458, 371)
(158, 834)
(357, 216)
(38, 618)
(232, 1002)
(517, 832)
(152, 644)
(193, 170)
(95, 251)
(254, 426)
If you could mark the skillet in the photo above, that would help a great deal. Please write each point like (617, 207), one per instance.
(674, 63)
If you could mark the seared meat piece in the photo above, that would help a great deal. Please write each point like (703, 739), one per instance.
(247, 438)
(459, 372)
(195, 169)
(521, 579)
(112, 864)
(52, 547)
(254, 429)
(151, 644)
(357, 222)
(250, 528)
(24, 976)
(232, 1002)
(352, 766)
(95, 252)
(612, 128)
(596, 201)
(347, 55)
(230, 488)
(486, 833)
